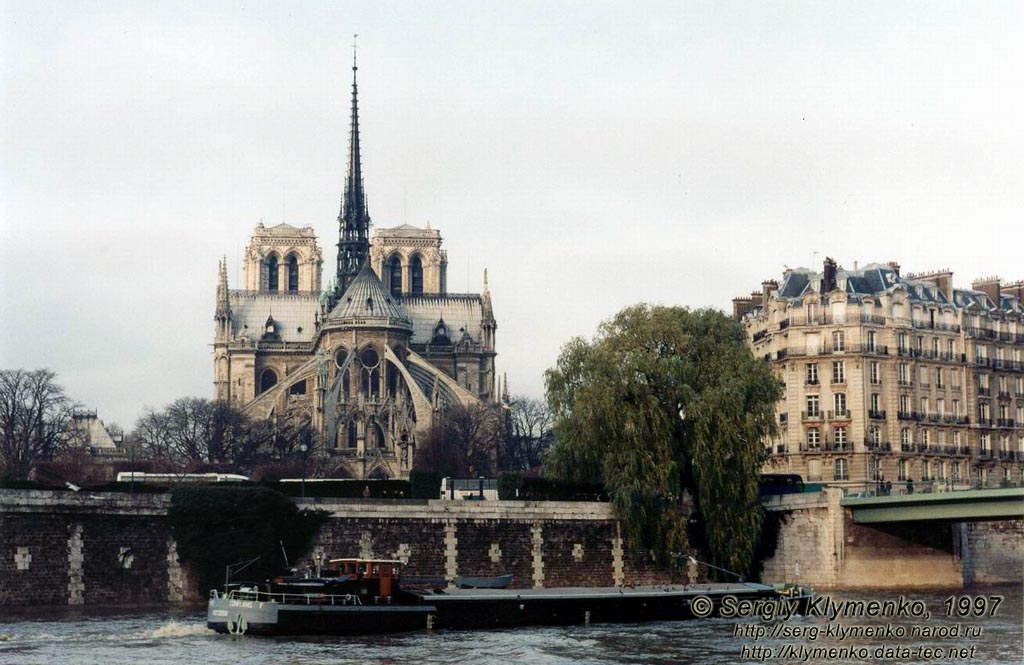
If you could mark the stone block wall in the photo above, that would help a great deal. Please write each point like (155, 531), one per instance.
(993, 552)
(541, 544)
(33, 559)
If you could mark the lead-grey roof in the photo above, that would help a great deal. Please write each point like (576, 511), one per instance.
(366, 299)
(463, 312)
(291, 312)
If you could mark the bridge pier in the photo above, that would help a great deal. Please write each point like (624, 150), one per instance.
(822, 545)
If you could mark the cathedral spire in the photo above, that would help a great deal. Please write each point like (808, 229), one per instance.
(354, 218)
(223, 302)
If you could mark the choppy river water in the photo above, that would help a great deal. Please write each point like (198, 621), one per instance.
(175, 637)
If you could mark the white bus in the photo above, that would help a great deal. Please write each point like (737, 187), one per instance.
(178, 478)
(469, 489)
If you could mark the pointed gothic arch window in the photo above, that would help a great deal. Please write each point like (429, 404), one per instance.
(272, 273)
(268, 379)
(416, 276)
(395, 275)
(293, 274)
(353, 434)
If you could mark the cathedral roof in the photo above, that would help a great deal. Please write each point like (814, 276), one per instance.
(366, 300)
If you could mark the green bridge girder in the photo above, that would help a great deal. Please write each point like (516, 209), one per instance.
(962, 506)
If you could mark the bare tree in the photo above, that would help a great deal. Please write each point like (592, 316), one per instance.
(463, 441)
(35, 416)
(527, 434)
(192, 432)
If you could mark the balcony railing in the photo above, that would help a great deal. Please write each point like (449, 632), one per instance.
(876, 415)
(810, 415)
(878, 447)
(843, 414)
(984, 392)
(1005, 422)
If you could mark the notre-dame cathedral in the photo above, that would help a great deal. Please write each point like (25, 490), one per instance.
(370, 359)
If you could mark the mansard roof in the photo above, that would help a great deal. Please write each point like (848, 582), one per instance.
(879, 278)
(366, 300)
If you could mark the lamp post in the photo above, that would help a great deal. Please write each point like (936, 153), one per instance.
(302, 449)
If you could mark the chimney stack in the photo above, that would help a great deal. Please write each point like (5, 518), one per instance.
(989, 286)
(828, 276)
(895, 267)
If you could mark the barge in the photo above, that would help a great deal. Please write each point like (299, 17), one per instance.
(366, 596)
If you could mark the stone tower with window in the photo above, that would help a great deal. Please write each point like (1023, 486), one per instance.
(367, 360)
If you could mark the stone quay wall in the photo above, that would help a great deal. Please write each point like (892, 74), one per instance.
(541, 544)
(64, 548)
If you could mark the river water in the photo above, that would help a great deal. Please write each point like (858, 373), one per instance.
(178, 637)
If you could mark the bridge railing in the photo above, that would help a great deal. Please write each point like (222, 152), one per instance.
(906, 487)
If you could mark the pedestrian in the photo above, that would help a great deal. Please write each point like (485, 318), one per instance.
(910, 485)
(888, 487)
(366, 491)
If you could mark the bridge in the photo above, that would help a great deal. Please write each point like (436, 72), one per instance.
(959, 506)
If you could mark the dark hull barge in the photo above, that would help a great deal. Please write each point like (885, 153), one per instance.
(320, 608)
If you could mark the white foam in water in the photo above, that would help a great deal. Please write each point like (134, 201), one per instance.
(176, 629)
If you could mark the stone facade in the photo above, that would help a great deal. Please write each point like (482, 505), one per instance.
(892, 376)
(367, 361)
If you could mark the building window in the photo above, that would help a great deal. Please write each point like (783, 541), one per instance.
(985, 442)
(954, 471)
(871, 340)
(813, 406)
(272, 273)
(925, 471)
(395, 275)
(813, 438)
(876, 435)
(926, 437)
(875, 402)
(841, 470)
(938, 377)
(954, 407)
(839, 435)
(838, 340)
(924, 376)
(924, 406)
(814, 470)
(268, 379)
(293, 274)
(904, 373)
(905, 436)
(875, 375)
(955, 438)
(901, 470)
(940, 406)
(839, 402)
(839, 371)
(812, 373)
(905, 404)
(416, 276)
(950, 349)
(874, 470)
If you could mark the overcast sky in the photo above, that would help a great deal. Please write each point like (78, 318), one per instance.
(590, 155)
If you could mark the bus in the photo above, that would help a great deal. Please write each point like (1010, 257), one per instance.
(179, 478)
(773, 484)
(469, 489)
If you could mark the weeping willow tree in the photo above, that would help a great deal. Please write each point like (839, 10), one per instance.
(667, 399)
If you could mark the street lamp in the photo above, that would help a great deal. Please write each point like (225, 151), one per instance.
(302, 449)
